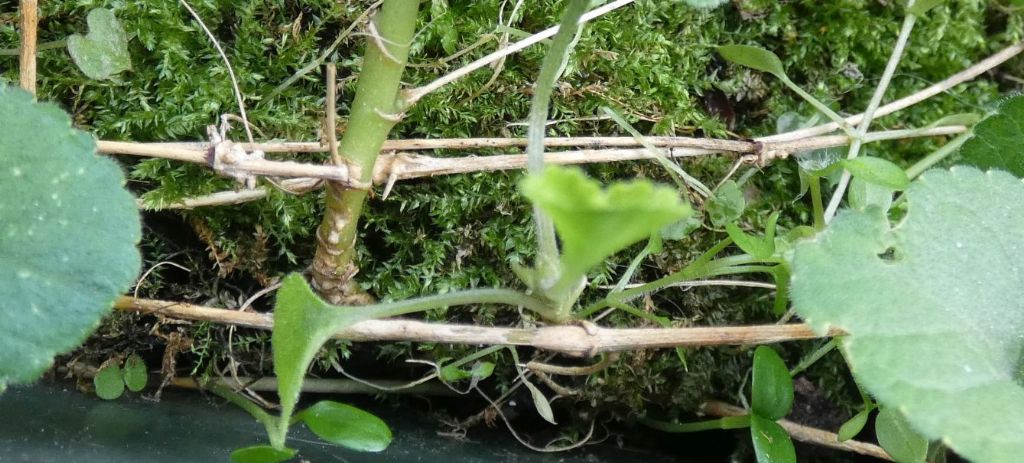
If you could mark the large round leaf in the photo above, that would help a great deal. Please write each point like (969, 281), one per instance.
(933, 306)
(68, 231)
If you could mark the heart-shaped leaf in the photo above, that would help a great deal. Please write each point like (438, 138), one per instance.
(102, 52)
(771, 387)
(771, 443)
(726, 205)
(932, 306)
(135, 374)
(68, 231)
(997, 139)
(262, 454)
(593, 223)
(347, 426)
(108, 382)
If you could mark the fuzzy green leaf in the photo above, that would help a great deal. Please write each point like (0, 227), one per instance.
(754, 57)
(108, 382)
(262, 454)
(102, 52)
(347, 426)
(771, 443)
(921, 7)
(135, 374)
(878, 171)
(302, 323)
(593, 223)
(854, 425)
(932, 306)
(69, 231)
(771, 387)
(727, 205)
(898, 439)
(996, 143)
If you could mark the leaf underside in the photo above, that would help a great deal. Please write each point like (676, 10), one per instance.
(68, 231)
(932, 306)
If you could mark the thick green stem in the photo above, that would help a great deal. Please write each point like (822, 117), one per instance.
(937, 156)
(816, 203)
(728, 422)
(558, 53)
(374, 113)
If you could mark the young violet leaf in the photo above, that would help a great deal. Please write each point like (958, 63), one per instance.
(262, 454)
(70, 231)
(854, 425)
(878, 171)
(864, 194)
(347, 426)
(102, 52)
(302, 323)
(109, 383)
(901, 442)
(921, 7)
(771, 443)
(726, 205)
(593, 223)
(771, 387)
(931, 307)
(755, 58)
(135, 374)
(761, 248)
(997, 140)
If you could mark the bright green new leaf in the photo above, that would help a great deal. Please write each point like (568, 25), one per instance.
(102, 52)
(854, 425)
(726, 205)
(898, 439)
(108, 382)
(761, 248)
(921, 7)
(932, 306)
(771, 442)
(754, 57)
(865, 194)
(878, 171)
(996, 143)
(771, 387)
(347, 426)
(262, 454)
(594, 223)
(135, 374)
(480, 370)
(68, 231)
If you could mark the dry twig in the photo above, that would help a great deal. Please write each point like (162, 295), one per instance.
(29, 27)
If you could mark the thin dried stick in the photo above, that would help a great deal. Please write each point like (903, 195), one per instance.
(404, 166)
(956, 79)
(567, 339)
(414, 95)
(227, 63)
(804, 433)
(27, 62)
(321, 386)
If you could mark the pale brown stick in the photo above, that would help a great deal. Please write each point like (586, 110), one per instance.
(956, 79)
(181, 150)
(29, 28)
(804, 433)
(404, 166)
(566, 339)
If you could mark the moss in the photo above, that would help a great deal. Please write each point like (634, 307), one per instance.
(652, 61)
